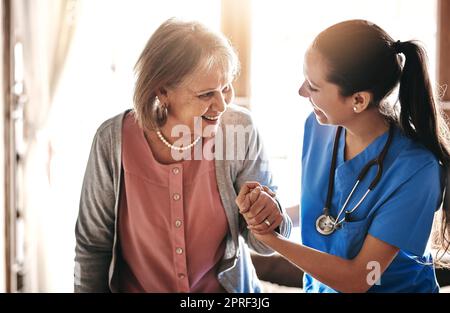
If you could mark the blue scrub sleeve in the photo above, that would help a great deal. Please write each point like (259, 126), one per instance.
(406, 218)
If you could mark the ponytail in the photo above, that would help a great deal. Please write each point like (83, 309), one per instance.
(376, 67)
(423, 121)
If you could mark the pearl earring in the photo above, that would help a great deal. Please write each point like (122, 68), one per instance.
(355, 109)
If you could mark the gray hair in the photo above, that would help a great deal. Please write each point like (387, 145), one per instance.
(174, 51)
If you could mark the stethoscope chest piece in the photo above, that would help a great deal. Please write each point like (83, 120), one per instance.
(325, 224)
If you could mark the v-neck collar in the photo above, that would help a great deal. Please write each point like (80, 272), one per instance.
(347, 171)
(370, 152)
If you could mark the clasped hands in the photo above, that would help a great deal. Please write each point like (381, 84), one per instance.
(259, 208)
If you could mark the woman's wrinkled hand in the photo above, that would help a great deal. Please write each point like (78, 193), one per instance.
(259, 208)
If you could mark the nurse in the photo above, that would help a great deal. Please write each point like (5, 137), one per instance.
(372, 173)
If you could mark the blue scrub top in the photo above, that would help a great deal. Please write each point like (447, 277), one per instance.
(398, 211)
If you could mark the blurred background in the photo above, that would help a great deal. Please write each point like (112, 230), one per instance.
(67, 65)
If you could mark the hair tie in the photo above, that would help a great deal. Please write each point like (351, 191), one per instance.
(397, 47)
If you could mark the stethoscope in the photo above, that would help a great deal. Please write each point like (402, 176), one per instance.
(325, 223)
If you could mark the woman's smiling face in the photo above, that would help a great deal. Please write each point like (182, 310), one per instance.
(199, 101)
(330, 107)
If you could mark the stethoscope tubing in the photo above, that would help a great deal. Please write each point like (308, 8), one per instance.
(378, 161)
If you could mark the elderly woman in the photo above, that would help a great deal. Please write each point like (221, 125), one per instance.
(157, 210)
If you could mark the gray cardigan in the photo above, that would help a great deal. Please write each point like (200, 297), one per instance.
(96, 226)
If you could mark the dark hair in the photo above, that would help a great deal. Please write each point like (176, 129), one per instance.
(363, 57)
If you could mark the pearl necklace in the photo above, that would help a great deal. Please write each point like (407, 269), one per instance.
(168, 144)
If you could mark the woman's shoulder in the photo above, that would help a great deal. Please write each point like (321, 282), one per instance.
(416, 160)
(414, 151)
(237, 115)
(109, 132)
(113, 122)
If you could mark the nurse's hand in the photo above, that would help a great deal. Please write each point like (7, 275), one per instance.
(258, 207)
(265, 238)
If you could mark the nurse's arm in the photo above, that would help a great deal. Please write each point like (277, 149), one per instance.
(356, 275)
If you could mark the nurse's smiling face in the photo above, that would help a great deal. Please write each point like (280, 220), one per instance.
(330, 107)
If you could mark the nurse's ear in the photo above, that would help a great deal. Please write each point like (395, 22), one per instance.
(360, 101)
